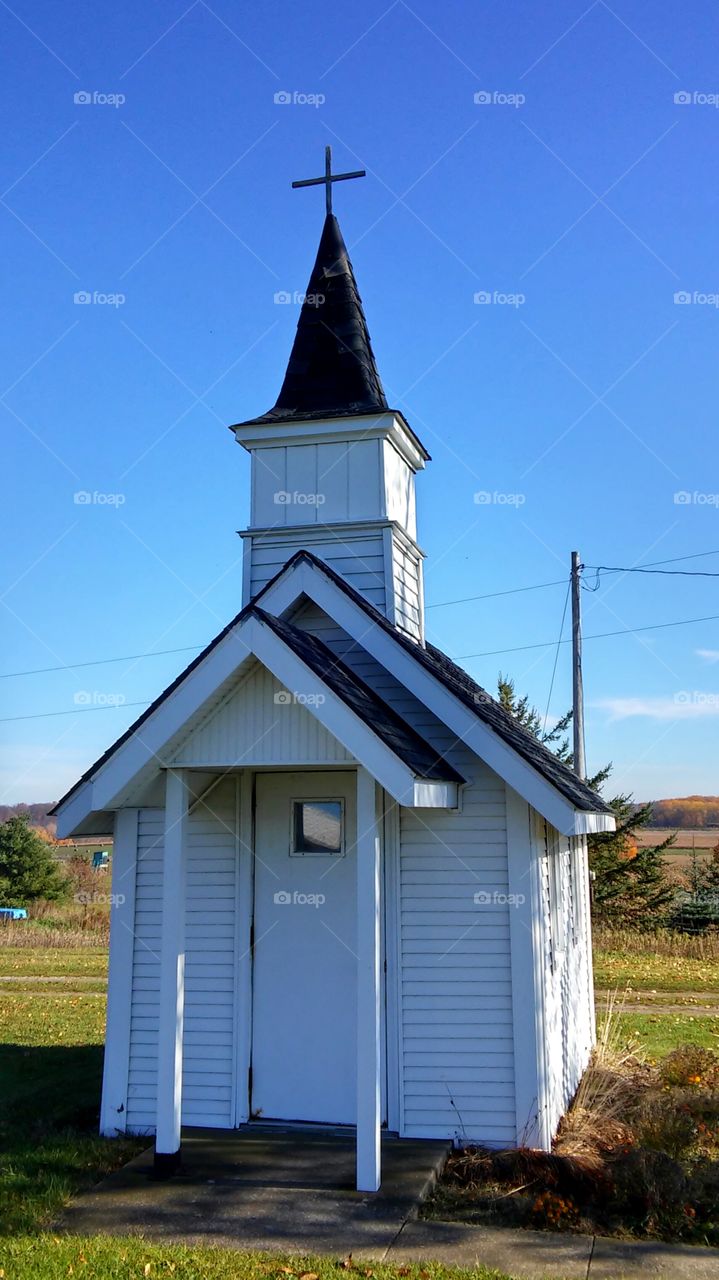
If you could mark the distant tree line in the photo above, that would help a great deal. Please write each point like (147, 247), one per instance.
(630, 886)
(689, 811)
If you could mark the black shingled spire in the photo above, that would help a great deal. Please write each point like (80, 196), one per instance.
(332, 370)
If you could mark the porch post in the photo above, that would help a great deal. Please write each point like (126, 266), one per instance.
(172, 976)
(369, 1115)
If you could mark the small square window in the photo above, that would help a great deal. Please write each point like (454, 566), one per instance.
(317, 827)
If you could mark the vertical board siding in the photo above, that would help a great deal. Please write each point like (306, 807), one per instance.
(569, 1030)
(208, 1043)
(457, 1060)
(258, 724)
(315, 483)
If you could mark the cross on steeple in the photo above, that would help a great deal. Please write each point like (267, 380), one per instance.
(329, 178)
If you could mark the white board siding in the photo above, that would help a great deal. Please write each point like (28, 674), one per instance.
(456, 1060)
(354, 551)
(407, 587)
(208, 1042)
(456, 1035)
(317, 482)
(252, 727)
(568, 1005)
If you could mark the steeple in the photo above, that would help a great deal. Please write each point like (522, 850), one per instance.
(332, 370)
(333, 467)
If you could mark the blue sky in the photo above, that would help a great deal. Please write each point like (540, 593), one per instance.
(580, 185)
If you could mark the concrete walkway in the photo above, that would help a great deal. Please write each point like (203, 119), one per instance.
(546, 1255)
(293, 1190)
(265, 1188)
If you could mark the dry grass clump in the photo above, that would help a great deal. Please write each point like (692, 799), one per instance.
(69, 925)
(610, 1091)
(637, 1153)
(657, 942)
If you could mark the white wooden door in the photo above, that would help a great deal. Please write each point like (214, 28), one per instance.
(305, 966)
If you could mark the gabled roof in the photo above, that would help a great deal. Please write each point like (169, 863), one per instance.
(390, 728)
(332, 370)
(404, 741)
(485, 707)
(421, 762)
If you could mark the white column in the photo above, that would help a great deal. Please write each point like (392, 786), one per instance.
(113, 1111)
(369, 1115)
(172, 975)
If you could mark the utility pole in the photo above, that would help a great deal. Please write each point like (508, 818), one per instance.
(580, 764)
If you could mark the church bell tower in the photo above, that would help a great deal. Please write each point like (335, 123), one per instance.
(333, 467)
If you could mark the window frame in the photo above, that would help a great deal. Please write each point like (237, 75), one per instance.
(316, 853)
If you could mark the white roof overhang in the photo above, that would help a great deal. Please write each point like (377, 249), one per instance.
(308, 579)
(149, 747)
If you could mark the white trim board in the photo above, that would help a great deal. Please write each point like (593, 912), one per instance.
(151, 746)
(307, 579)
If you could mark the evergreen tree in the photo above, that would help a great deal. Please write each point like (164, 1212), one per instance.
(27, 867)
(631, 886)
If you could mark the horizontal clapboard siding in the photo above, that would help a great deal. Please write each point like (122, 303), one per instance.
(407, 575)
(457, 1077)
(208, 1043)
(356, 554)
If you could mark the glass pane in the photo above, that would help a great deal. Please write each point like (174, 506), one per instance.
(317, 826)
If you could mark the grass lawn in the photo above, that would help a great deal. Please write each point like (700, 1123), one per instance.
(638, 967)
(45, 962)
(50, 1071)
(657, 1034)
(98, 1258)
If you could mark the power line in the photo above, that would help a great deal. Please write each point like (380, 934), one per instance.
(100, 662)
(492, 595)
(679, 573)
(546, 644)
(597, 635)
(75, 711)
(556, 655)
(442, 604)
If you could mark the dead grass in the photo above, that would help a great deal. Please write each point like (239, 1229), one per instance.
(600, 1116)
(637, 1154)
(657, 942)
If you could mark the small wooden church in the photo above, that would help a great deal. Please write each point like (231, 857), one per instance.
(351, 890)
